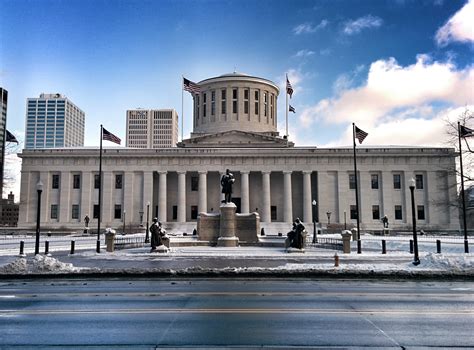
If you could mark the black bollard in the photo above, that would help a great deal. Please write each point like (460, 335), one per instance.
(438, 246)
(194, 232)
(185, 233)
(46, 247)
(22, 247)
(262, 232)
(384, 247)
(72, 246)
(411, 246)
(359, 246)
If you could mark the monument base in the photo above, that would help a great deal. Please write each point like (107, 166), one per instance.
(228, 242)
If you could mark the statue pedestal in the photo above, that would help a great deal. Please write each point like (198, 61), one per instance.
(227, 227)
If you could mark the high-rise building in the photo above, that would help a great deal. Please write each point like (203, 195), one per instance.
(152, 128)
(52, 120)
(3, 128)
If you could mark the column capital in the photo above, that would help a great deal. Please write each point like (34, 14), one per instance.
(162, 172)
(287, 171)
(245, 172)
(307, 172)
(266, 172)
(202, 172)
(181, 172)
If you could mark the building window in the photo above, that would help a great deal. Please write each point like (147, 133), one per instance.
(223, 101)
(54, 211)
(213, 102)
(397, 182)
(273, 211)
(421, 212)
(246, 101)
(375, 212)
(257, 95)
(95, 214)
(265, 104)
(75, 211)
(194, 212)
(374, 178)
(271, 106)
(204, 103)
(96, 181)
(419, 181)
(352, 182)
(118, 181)
(194, 183)
(234, 101)
(398, 212)
(175, 212)
(55, 181)
(118, 211)
(76, 181)
(197, 106)
(353, 212)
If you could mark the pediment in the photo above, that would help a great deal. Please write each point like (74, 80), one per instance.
(235, 138)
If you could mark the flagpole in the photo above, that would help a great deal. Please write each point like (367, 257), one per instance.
(182, 107)
(3, 159)
(286, 110)
(359, 247)
(100, 190)
(466, 245)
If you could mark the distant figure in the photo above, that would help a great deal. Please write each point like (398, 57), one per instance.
(86, 220)
(295, 236)
(385, 221)
(157, 234)
(227, 181)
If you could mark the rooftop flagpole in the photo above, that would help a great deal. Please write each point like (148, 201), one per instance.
(100, 190)
(286, 89)
(182, 107)
(359, 247)
(463, 199)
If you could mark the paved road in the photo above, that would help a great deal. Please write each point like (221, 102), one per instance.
(229, 312)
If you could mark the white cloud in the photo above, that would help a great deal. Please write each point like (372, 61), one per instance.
(325, 52)
(356, 26)
(346, 80)
(309, 28)
(460, 27)
(304, 53)
(390, 86)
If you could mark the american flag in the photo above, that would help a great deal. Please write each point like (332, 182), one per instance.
(107, 135)
(360, 134)
(190, 86)
(292, 109)
(289, 88)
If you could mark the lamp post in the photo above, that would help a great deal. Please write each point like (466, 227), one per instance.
(39, 190)
(147, 237)
(315, 238)
(345, 222)
(416, 259)
(141, 217)
(329, 217)
(124, 213)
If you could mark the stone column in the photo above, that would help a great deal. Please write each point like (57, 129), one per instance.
(181, 196)
(266, 199)
(202, 203)
(287, 197)
(108, 200)
(45, 178)
(148, 194)
(227, 236)
(244, 189)
(86, 196)
(162, 196)
(307, 206)
(65, 197)
(26, 195)
(128, 195)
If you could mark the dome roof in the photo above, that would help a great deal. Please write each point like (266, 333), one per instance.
(238, 76)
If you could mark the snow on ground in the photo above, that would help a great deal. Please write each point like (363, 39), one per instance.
(37, 264)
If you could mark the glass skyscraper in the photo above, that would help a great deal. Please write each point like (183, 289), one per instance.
(3, 127)
(53, 121)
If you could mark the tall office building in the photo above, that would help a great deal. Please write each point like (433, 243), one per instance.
(3, 134)
(152, 128)
(52, 120)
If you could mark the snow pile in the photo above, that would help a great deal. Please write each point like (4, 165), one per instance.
(38, 264)
(434, 261)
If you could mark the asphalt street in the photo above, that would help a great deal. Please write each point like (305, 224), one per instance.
(254, 313)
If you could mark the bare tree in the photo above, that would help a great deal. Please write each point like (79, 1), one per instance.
(10, 173)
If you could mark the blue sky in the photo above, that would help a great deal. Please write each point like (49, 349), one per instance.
(390, 66)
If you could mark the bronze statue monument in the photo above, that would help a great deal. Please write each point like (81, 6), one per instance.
(227, 181)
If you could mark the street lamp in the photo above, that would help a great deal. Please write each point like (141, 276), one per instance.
(39, 190)
(147, 237)
(124, 213)
(141, 217)
(329, 217)
(315, 238)
(345, 222)
(416, 259)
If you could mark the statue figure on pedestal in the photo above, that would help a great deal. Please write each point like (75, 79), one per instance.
(295, 236)
(227, 181)
(157, 234)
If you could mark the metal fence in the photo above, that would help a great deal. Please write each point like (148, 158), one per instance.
(328, 243)
(124, 242)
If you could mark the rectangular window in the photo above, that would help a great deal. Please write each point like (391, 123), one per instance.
(273, 211)
(397, 182)
(55, 181)
(419, 181)
(257, 107)
(213, 102)
(246, 101)
(96, 181)
(194, 212)
(353, 212)
(234, 101)
(271, 106)
(398, 212)
(374, 179)
(223, 101)
(194, 183)
(76, 181)
(175, 212)
(54, 211)
(352, 182)
(197, 106)
(75, 211)
(265, 104)
(375, 212)
(95, 214)
(420, 212)
(204, 103)
(118, 211)
(118, 181)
